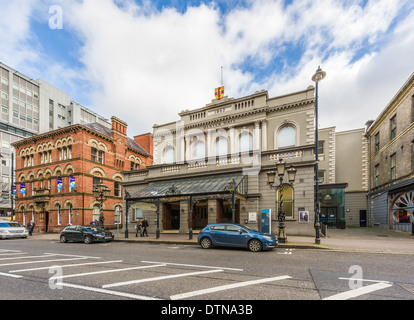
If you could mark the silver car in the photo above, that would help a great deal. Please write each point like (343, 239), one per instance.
(12, 229)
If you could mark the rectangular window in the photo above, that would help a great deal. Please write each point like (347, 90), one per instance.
(377, 175)
(393, 127)
(393, 166)
(321, 145)
(377, 142)
(96, 182)
(117, 189)
(97, 155)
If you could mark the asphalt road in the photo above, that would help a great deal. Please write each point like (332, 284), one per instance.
(49, 270)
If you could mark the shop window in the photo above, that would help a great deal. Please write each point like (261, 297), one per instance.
(286, 199)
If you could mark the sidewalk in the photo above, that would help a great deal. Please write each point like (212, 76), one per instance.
(351, 239)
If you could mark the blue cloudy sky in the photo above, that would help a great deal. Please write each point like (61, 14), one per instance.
(146, 61)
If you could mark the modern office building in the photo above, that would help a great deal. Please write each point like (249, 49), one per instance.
(30, 107)
(391, 154)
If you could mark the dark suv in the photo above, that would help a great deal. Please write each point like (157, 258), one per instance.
(85, 234)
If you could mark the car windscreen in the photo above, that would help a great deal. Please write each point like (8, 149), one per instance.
(10, 225)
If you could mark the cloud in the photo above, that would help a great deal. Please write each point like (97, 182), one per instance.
(146, 61)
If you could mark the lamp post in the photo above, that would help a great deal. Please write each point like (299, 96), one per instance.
(101, 193)
(317, 77)
(281, 169)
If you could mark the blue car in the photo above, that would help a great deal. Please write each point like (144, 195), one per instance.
(235, 235)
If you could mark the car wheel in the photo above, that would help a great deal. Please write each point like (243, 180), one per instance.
(63, 239)
(88, 239)
(206, 243)
(255, 245)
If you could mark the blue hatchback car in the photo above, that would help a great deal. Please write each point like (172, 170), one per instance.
(235, 235)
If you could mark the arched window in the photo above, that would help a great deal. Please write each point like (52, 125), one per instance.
(287, 137)
(199, 150)
(59, 213)
(245, 142)
(70, 214)
(96, 212)
(117, 217)
(221, 146)
(169, 155)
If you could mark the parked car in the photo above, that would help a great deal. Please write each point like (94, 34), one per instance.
(12, 229)
(235, 235)
(85, 234)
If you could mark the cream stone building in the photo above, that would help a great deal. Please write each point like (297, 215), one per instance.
(239, 140)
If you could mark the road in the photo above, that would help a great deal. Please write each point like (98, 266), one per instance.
(49, 270)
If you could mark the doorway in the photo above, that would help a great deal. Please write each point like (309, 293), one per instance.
(200, 215)
(329, 216)
(171, 216)
(363, 218)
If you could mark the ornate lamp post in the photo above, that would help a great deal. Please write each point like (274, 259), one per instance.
(317, 77)
(281, 169)
(101, 193)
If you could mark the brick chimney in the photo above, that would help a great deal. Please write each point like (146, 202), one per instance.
(118, 127)
(146, 142)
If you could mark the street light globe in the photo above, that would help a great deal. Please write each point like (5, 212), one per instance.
(319, 75)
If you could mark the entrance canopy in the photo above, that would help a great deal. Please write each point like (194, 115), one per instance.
(197, 186)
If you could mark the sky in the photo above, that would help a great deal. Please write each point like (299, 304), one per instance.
(146, 61)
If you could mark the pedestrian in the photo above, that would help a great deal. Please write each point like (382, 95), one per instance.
(30, 227)
(138, 228)
(144, 226)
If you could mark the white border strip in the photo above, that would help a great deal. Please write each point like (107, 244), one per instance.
(194, 265)
(65, 266)
(226, 287)
(110, 292)
(118, 284)
(105, 271)
(359, 292)
(10, 275)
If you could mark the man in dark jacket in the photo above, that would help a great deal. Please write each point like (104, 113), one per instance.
(144, 226)
(30, 227)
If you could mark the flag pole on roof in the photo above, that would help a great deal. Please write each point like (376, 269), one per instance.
(219, 92)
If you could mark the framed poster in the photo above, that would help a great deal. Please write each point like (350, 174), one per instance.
(303, 216)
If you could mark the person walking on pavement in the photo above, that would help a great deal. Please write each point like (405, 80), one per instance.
(138, 228)
(145, 226)
(30, 227)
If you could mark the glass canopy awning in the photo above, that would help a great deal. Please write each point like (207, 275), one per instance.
(196, 186)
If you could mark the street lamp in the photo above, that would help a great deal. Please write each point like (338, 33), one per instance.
(280, 170)
(317, 77)
(101, 193)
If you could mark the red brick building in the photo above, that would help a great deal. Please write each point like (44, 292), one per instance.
(57, 171)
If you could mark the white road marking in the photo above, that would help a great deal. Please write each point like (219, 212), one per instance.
(39, 261)
(46, 255)
(66, 266)
(73, 255)
(117, 284)
(10, 275)
(105, 271)
(193, 265)
(360, 291)
(110, 292)
(5, 250)
(12, 253)
(226, 287)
